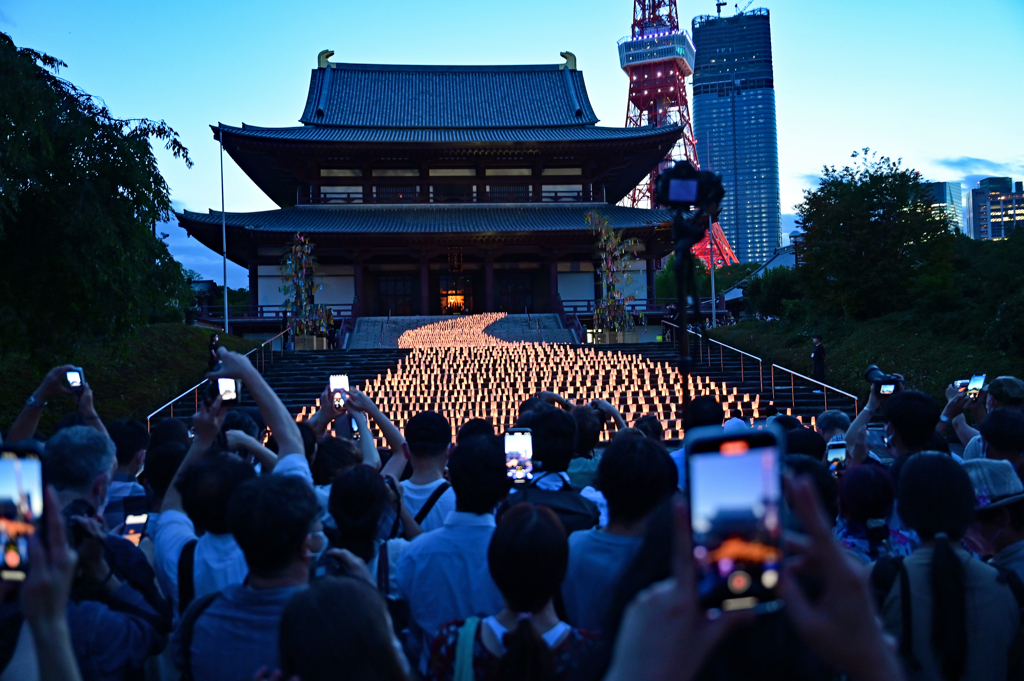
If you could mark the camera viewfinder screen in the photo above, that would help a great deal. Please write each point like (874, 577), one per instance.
(21, 500)
(339, 386)
(227, 389)
(682, 191)
(74, 379)
(519, 456)
(836, 452)
(886, 389)
(975, 386)
(735, 497)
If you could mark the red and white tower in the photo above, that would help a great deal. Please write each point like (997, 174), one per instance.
(658, 57)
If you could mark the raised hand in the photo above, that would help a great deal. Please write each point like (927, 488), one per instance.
(208, 420)
(232, 365)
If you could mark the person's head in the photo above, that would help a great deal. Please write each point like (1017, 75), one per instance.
(169, 430)
(911, 417)
(786, 422)
(338, 630)
(650, 426)
(1002, 432)
(704, 411)
(474, 428)
(555, 437)
(831, 423)
(866, 496)
(162, 462)
(334, 456)
(272, 518)
(476, 469)
(214, 338)
(206, 487)
(1005, 391)
(588, 428)
(805, 441)
(237, 419)
(130, 440)
(816, 339)
(429, 436)
(825, 485)
(635, 474)
(359, 497)
(79, 462)
(999, 506)
(531, 403)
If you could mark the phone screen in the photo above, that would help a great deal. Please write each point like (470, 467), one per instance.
(135, 527)
(735, 510)
(975, 386)
(228, 389)
(836, 451)
(74, 379)
(887, 389)
(519, 454)
(339, 386)
(21, 501)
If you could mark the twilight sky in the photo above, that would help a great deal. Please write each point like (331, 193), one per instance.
(934, 82)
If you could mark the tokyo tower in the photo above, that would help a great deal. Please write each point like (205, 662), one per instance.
(658, 57)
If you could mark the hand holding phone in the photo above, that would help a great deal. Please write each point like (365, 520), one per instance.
(975, 386)
(76, 379)
(21, 508)
(519, 454)
(135, 527)
(339, 389)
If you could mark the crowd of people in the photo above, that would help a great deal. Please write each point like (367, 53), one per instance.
(273, 550)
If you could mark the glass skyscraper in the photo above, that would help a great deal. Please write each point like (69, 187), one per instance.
(734, 125)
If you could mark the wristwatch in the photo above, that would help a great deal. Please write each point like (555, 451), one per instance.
(944, 418)
(33, 402)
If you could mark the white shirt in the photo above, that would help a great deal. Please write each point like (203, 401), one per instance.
(396, 549)
(602, 504)
(444, 575)
(974, 449)
(294, 464)
(218, 562)
(416, 496)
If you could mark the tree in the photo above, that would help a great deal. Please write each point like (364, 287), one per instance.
(615, 253)
(308, 318)
(768, 293)
(80, 194)
(873, 244)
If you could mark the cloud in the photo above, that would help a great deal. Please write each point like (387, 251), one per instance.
(968, 165)
(195, 256)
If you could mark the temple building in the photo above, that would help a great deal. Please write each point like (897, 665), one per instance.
(441, 189)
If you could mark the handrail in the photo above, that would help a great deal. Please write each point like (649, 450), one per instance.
(824, 393)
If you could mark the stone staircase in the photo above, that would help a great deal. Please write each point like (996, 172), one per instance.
(384, 332)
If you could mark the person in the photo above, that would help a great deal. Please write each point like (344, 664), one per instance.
(818, 357)
(228, 635)
(635, 475)
(818, 473)
(332, 338)
(474, 428)
(998, 527)
(427, 495)
(866, 498)
(805, 441)
(703, 411)
(1002, 437)
(339, 630)
(1004, 392)
(961, 618)
(832, 425)
(910, 418)
(212, 358)
(554, 440)
(525, 639)
(169, 430)
(162, 463)
(650, 426)
(443, 574)
(582, 470)
(126, 495)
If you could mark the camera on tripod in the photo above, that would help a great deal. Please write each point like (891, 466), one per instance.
(682, 187)
(887, 383)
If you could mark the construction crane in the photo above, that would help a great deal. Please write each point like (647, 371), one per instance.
(720, 4)
(745, 7)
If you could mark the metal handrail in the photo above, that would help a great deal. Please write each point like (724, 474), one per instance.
(195, 388)
(826, 387)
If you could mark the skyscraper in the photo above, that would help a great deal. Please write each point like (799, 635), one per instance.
(948, 197)
(734, 125)
(995, 209)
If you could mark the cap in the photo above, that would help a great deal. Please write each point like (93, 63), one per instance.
(1008, 390)
(995, 482)
(427, 432)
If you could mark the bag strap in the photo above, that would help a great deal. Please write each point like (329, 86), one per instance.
(187, 575)
(906, 615)
(431, 500)
(464, 650)
(186, 629)
(383, 570)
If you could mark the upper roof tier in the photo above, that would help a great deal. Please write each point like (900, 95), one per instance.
(404, 96)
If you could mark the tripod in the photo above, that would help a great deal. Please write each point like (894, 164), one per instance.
(687, 231)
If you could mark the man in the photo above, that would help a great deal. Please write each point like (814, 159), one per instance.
(703, 411)
(832, 425)
(635, 475)
(1005, 392)
(229, 635)
(1002, 437)
(998, 528)
(127, 496)
(444, 574)
(818, 356)
(428, 496)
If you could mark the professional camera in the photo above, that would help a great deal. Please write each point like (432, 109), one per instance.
(682, 186)
(887, 383)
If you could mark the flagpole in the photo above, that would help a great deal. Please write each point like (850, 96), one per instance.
(223, 229)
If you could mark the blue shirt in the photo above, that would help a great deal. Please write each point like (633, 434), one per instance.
(109, 642)
(597, 560)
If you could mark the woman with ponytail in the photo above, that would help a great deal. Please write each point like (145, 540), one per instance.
(954, 616)
(526, 641)
(866, 497)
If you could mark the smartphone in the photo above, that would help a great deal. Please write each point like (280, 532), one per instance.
(835, 455)
(135, 527)
(338, 386)
(887, 389)
(21, 509)
(228, 390)
(519, 454)
(735, 484)
(961, 385)
(76, 379)
(975, 386)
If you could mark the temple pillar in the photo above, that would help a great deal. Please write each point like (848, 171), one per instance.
(357, 304)
(553, 283)
(424, 287)
(489, 283)
(651, 288)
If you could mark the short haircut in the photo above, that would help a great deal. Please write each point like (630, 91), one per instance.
(588, 427)
(236, 419)
(833, 419)
(206, 487)
(913, 415)
(825, 485)
(334, 454)
(75, 456)
(635, 474)
(1003, 429)
(359, 497)
(805, 441)
(787, 422)
(554, 437)
(528, 557)
(162, 462)
(866, 493)
(270, 517)
(129, 438)
(476, 469)
(429, 435)
(474, 428)
(531, 403)
(703, 411)
(650, 426)
(169, 430)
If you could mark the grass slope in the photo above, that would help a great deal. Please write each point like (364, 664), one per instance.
(129, 380)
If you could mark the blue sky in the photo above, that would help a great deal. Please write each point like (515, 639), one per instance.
(935, 83)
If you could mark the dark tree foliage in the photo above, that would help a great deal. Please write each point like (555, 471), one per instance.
(80, 194)
(768, 293)
(872, 243)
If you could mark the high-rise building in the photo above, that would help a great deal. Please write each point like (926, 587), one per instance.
(734, 127)
(995, 209)
(996, 185)
(948, 197)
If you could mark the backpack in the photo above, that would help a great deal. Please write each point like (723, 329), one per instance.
(575, 511)
(187, 575)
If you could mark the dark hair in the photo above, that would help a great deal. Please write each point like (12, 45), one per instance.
(308, 440)
(236, 419)
(334, 455)
(787, 422)
(474, 428)
(588, 428)
(833, 419)
(129, 437)
(650, 426)
(635, 474)
(338, 630)
(1003, 429)
(554, 437)
(169, 430)
(162, 462)
(271, 517)
(531, 403)
(207, 485)
(805, 441)
(936, 498)
(913, 415)
(528, 557)
(866, 494)
(359, 497)
(476, 469)
(825, 485)
(937, 443)
(703, 411)
(429, 435)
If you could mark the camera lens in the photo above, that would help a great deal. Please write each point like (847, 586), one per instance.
(873, 374)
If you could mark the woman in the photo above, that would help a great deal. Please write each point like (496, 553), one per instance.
(211, 356)
(963, 616)
(528, 556)
(866, 499)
